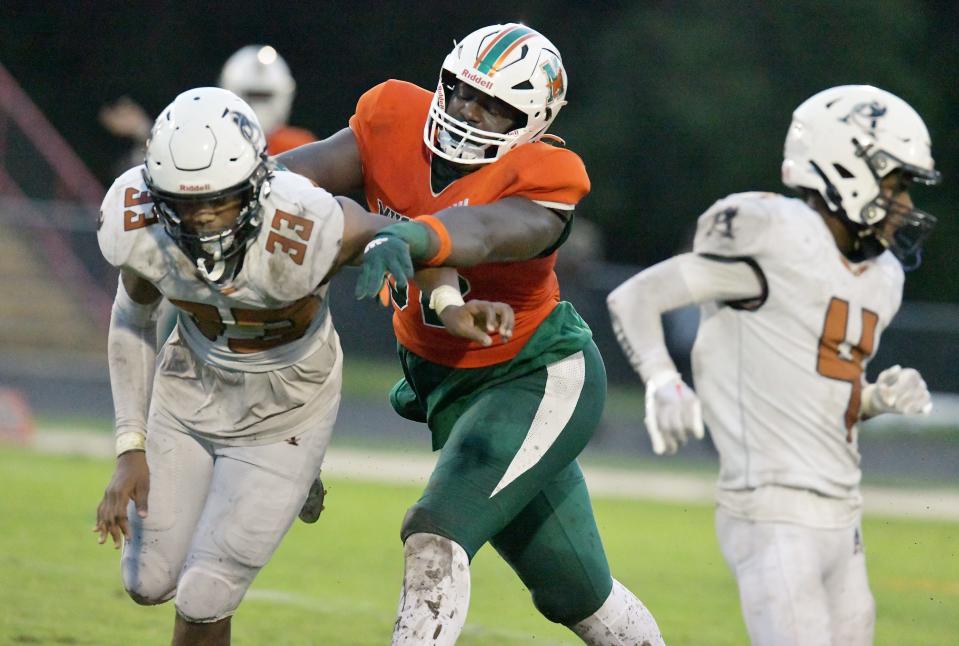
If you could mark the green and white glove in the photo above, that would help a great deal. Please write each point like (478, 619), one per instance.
(391, 251)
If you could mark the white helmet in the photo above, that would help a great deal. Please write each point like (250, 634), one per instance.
(207, 147)
(842, 142)
(260, 76)
(511, 62)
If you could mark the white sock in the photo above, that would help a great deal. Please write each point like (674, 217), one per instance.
(436, 592)
(622, 620)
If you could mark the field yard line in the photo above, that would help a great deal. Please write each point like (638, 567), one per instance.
(413, 468)
(328, 606)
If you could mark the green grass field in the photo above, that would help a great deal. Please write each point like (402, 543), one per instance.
(337, 582)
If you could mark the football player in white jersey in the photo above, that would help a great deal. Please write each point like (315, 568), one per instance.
(794, 294)
(241, 400)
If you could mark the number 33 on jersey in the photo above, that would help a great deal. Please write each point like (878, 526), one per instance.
(274, 297)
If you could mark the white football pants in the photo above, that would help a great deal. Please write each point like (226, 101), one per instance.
(217, 513)
(799, 585)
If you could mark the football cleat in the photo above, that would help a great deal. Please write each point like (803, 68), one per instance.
(313, 506)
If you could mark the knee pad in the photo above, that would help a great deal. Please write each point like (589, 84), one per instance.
(434, 553)
(436, 592)
(148, 581)
(204, 596)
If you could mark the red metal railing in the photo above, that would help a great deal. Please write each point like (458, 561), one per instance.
(74, 182)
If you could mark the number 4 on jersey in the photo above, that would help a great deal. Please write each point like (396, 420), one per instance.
(839, 359)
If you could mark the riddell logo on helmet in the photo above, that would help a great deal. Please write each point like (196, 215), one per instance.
(479, 79)
(195, 188)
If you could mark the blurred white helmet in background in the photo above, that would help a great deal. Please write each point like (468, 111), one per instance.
(260, 76)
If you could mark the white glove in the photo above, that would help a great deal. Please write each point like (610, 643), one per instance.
(672, 412)
(897, 390)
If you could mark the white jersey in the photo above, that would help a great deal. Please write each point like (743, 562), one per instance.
(780, 378)
(273, 312)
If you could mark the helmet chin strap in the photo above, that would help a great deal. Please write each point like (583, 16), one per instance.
(215, 273)
(866, 243)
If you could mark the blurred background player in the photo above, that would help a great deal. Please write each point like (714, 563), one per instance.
(220, 437)
(255, 73)
(260, 76)
(510, 419)
(794, 295)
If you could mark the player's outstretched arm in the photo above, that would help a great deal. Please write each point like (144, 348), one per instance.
(359, 227)
(333, 163)
(897, 390)
(510, 229)
(673, 411)
(475, 320)
(131, 352)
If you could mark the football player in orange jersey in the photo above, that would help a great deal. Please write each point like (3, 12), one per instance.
(465, 170)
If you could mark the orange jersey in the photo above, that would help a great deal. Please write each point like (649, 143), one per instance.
(287, 138)
(388, 126)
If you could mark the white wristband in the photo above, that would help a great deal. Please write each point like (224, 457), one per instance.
(130, 441)
(444, 296)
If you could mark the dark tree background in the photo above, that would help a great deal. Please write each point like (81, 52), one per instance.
(671, 104)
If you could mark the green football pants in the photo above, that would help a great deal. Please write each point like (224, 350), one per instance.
(507, 475)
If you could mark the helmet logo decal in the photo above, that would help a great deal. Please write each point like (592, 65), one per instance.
(555, 82)
(480, 80)
(866, 115)
(495, 53)
(248, 129)
(722, 223)
(196, 188)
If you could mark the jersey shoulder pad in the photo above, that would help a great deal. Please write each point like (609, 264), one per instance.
(387, 101)
(299, 240)
(548, 175)
(737, 225)
(126, 218)
(388, 124)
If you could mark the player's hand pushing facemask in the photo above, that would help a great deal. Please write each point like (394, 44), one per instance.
(673, 413)
(897, 390)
